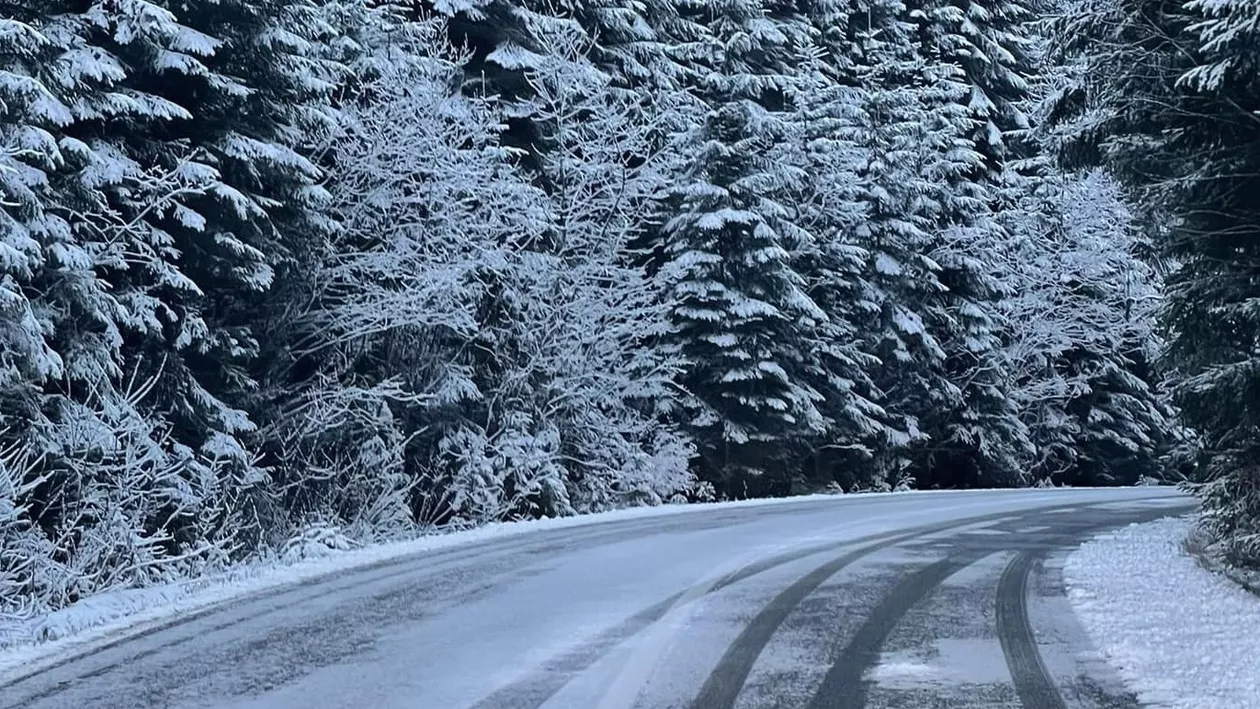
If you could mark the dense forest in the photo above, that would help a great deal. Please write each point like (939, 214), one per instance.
(274, 269)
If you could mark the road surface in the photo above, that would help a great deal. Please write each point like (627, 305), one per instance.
(899, 601)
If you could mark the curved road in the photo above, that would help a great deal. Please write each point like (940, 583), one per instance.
(904, 601)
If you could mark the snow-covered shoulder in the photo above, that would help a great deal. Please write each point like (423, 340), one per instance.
(1180, 636)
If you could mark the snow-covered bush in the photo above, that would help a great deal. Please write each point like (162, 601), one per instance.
(483, 344)
(1079, 310)
(315, 540)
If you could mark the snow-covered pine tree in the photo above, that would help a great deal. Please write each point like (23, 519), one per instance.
(1167, 99)
(30, 114)
(743, 319)
(928, 217)
(994, 44)
(644, 46)
(641, 45)
(29, 155)
(982, 441)
(832, 210)
(233, 125)
(865, 115)
(91, 470)
(906, 290)
(1221, 397)
(738, 306)
(368, 37)
(969, 102)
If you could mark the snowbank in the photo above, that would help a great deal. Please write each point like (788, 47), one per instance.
(1180, 636)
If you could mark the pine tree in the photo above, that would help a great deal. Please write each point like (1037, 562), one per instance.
(742, 315)
(29, 161)
(992, 42)
(737, 305)
(936, 116)
(834, 211)
(30, 114)
(231, 129)
(980, 441)
(640, 45)
(965, 61)
(1165, 97)
(645, 47)
(935, 328)
(102, 487)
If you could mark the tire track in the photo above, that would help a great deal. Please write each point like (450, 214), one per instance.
(534, 691)
(843, 687)
(724, 684)
(1034, 685)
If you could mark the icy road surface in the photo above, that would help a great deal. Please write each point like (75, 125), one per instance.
(914, 601)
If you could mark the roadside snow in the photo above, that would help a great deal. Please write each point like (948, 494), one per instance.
(1180, 636)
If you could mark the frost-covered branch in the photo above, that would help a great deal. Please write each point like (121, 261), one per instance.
(485, 340)
(1073, 284)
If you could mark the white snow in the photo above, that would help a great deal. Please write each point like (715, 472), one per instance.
(1180, 636)
(948, 662)
(979, 572)
(1033, 529)
(978, 527)
(893, 670)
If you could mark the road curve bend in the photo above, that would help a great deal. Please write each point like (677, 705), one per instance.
(880, 602)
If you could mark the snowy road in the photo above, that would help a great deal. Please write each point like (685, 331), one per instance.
(923, 601)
